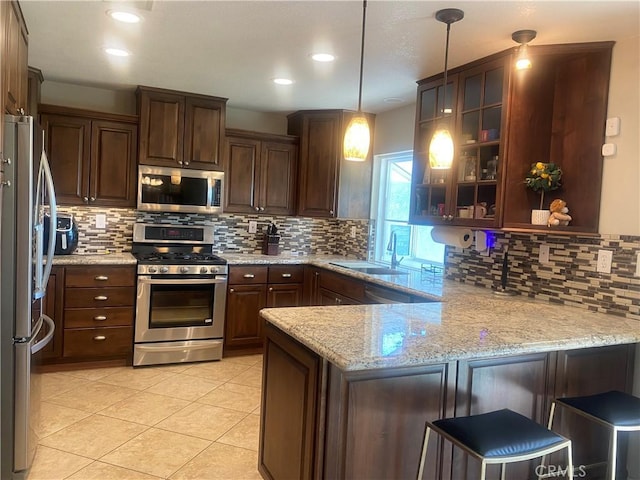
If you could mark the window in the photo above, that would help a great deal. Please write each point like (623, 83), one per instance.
(413, 243)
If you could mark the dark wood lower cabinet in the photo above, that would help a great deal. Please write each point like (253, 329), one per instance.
(321, 422)
(288, 420)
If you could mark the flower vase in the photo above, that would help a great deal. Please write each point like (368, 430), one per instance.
(540, 217)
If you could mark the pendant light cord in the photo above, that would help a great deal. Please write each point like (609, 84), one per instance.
(446, 62)
(364, 17)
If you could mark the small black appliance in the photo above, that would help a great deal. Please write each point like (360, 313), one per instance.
(66, 234)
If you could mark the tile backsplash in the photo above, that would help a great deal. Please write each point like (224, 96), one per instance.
(300, 235)
(570, 277)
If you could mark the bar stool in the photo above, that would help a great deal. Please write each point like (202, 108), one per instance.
(499, 437)
(618, 411)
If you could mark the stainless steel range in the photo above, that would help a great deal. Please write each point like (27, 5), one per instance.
(181, 298)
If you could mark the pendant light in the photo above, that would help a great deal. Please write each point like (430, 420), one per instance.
(358, 136)
(523, 37)
(441, 146)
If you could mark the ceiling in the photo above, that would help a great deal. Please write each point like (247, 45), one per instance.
(235, 48)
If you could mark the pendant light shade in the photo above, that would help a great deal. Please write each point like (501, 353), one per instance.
(523, 37)
(441, 146)
(357, 137)
(441, 150)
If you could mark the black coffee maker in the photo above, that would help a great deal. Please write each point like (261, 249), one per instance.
(66, 234)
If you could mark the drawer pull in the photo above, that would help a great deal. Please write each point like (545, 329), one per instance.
(100, 318)
(232, 290)
(101, 278)
(99, 338)
(286, 275)
(271, 289)
(100, 298)
(249, 275)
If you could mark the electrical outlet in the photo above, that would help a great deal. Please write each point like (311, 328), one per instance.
(604, 261)
(353, 232)
(253, 226)
(101, 220)
(543, 257)
(638, 264)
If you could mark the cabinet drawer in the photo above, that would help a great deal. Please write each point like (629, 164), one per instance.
(98, 317)
(98, 342)
(249, 274)
(286, 274)
(99, 297)
(110, 276)
(344, 285)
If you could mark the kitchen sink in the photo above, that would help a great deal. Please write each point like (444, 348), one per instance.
(369, 268)
(378, 271)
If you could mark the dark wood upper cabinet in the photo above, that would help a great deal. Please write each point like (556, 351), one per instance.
(503, 121)
(260, 173)
(329, 186)
(92, 156)
(14, 63)
(179, 129)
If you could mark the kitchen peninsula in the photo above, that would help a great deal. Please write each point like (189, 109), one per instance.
(346, 389)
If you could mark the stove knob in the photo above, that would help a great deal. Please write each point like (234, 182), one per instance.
(203, 269)
(184, 269)
(152, 269)
(164, 269)
(214, 269)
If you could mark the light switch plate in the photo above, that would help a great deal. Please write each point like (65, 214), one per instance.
(353, 231)
(101, 220)
(604, 261)
(253, 226)
(612, 127)
(543, 257)
(609, 149)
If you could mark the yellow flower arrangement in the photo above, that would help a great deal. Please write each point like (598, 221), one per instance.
(543, 177)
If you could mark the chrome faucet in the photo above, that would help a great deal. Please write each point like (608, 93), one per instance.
(391, 247)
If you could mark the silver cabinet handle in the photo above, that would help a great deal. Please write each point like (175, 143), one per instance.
(317, 274)
(232, 290)
(271, 289)
(179, 162)
(286, 275)
(92, 199)
(101, 278)
(99, 338)
(100, 297)
(262, 209)
(187, 163)
(257, 209)
(249, 275)
(100, 318)
(331, 212)
(85, 199)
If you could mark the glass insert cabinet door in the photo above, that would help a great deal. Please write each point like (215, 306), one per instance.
(431, 188)
(479, 146)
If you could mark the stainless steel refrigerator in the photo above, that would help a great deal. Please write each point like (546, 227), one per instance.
(25, 187)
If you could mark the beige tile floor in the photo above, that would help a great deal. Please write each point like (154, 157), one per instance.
(195, 421)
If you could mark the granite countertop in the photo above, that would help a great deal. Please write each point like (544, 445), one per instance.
(471, 322)
(123, 258)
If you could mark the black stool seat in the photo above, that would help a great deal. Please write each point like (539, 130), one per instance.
(617, 408)
(501, 433)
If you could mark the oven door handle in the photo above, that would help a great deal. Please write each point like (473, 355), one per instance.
(182, 281)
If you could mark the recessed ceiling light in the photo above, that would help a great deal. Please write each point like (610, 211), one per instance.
(323, 57)
(393, 100)
(117, 52)
(126, 17)
(282, 81)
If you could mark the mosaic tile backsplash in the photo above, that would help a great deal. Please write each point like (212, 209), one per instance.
(569, 278)
(301, 235)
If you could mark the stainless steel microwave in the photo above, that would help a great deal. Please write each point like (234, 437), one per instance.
(163, 189)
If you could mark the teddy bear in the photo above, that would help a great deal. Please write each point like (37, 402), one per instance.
(559, 213)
